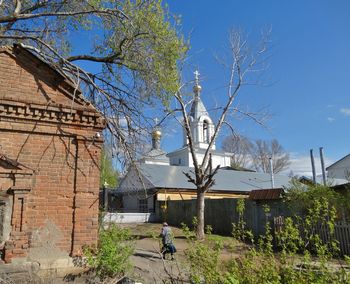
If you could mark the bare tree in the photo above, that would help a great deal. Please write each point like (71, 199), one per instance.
(256, 154)
(263, 151)
(244, 64)
(131, 45)
(241, 148)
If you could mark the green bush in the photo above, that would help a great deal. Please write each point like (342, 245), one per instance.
(296, 263)
(202, 257)
(111, 257)
(204, 263)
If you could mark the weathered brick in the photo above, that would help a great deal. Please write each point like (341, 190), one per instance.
(63, 156)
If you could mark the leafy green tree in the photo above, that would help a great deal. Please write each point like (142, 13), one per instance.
(300, 198)
(131, 52)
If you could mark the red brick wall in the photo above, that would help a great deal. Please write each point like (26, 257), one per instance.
(26, 79)
(65, 160)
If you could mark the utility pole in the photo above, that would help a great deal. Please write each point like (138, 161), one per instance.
(272, 174)
(322, 166)
(313, 166)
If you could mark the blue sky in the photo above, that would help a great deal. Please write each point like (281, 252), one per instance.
(310, 69)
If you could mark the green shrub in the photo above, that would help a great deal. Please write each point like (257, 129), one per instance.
(111, 257)
(203, 259)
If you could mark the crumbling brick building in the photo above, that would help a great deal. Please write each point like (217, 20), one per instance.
(49, 161)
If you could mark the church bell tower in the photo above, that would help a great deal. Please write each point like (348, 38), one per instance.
(201, 125)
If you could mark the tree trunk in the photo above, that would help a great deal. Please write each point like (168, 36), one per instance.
(200, 214)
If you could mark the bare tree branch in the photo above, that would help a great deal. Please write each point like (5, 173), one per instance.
(21, 17)
(243, 63)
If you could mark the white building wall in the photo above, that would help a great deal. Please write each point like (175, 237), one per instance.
(340, 170)
(122, 218)
(180, 159)
(131, 202)
(156, 162)
(134, 190)
(184, 158)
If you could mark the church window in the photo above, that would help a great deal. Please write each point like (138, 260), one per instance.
(205, 132)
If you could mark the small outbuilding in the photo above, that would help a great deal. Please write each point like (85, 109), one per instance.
(49, 161)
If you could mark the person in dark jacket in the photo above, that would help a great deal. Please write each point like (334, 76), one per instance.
(167, 241)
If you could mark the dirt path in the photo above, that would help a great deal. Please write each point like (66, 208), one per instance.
(149, 267)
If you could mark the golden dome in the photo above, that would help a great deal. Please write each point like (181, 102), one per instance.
(197, 88)
(156, 134)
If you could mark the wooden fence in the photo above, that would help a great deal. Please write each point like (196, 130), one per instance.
(341, 233)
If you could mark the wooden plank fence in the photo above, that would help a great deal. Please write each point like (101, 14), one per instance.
(341, 233)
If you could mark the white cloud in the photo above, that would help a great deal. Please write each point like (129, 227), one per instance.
(301, 164)
(330, 119)
(345, 111)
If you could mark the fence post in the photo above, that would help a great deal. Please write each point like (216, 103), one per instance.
(105, 197)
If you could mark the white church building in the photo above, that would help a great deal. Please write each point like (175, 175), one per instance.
(202, 129)
(159, 176)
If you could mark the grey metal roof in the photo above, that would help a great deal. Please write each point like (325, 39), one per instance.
(198, 150)
(155, 155)
(172, 177)
(198, 109)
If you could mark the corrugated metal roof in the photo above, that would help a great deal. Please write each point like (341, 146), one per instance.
(198, 109)
(155, 155)
(172, 177)
(266, 194)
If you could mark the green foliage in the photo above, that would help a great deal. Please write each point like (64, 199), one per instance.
(301, 261)
(203, 258)
(253, 267)
(265, 243)
(136, 43)
(107, 172)
(111, 257)
(289, 239)
(300, 197)
(315, 208)
(239, 231)
(152, 48)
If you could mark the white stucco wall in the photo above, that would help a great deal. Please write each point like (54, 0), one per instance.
(156, 162)
(133, 190)
(185, 158)
(223, 161)
(131, 202)
(181, 158)
(119, 218)
(340, 170)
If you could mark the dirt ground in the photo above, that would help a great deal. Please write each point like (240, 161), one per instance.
(149, 267)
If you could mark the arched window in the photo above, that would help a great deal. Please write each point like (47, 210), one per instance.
(205, 131)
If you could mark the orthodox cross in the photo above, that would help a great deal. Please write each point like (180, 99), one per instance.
(196, 74)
